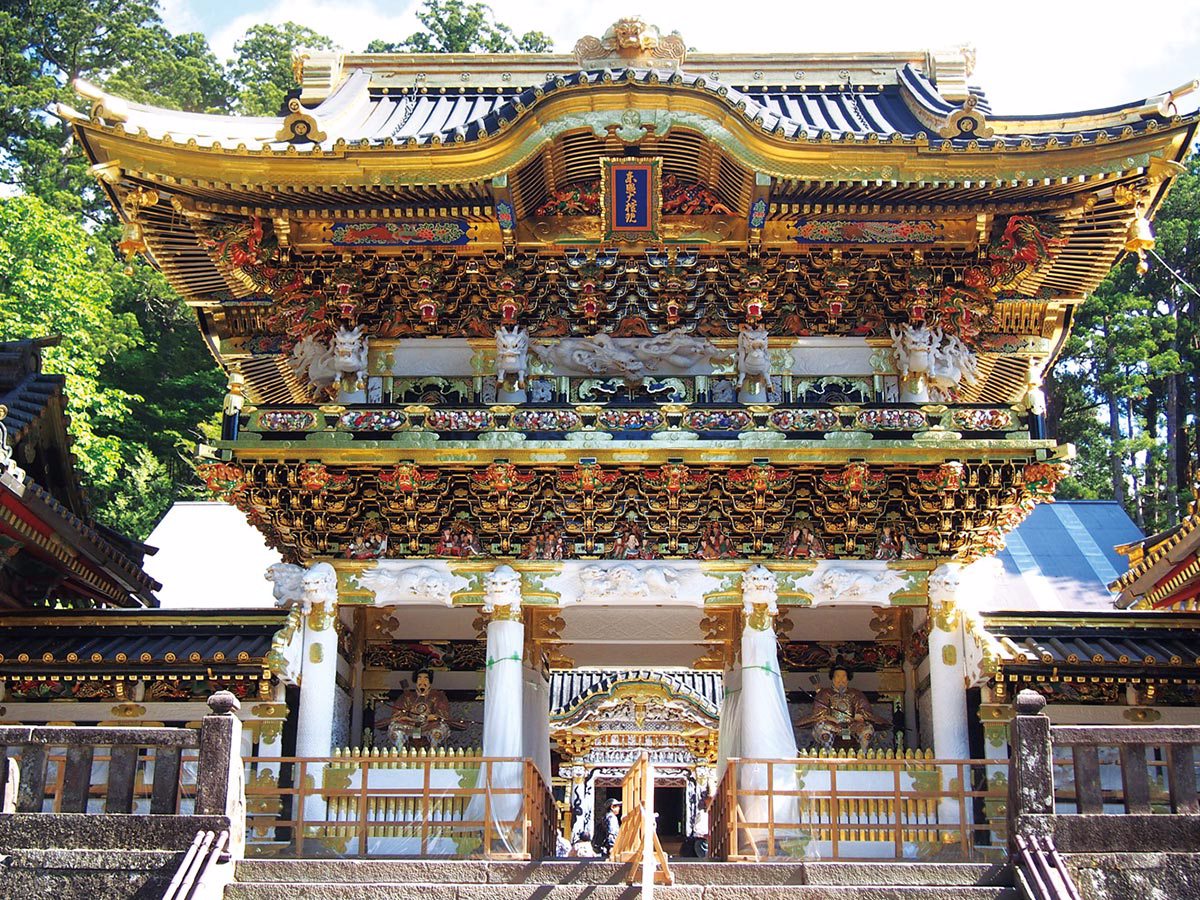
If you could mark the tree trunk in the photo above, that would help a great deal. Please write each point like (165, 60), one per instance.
(1135, 481)
(1155, 505)
(1114, 457)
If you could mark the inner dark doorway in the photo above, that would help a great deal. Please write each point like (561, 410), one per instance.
(670, 805)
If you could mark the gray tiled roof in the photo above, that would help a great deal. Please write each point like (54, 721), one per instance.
(1062, 557)
(359, 115)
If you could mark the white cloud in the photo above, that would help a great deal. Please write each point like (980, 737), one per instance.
(351, 24)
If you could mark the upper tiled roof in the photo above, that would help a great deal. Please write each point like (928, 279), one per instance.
(25, 390)
(34, 402)
(907, 106)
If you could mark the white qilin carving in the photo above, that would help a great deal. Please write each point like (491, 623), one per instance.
(674, 352)
(412, 584)
(760, 588)
(288, 581)
(931, 365)
(628, 583)
(754, 365)
(512, 355)
(321, 364)
(851, 584)
(501, 587)
(954, 366)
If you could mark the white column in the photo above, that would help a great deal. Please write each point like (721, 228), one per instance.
(582, 799)
(765, 723)
(318, 677)
(947, 683)
(503, 705)
(266, 774)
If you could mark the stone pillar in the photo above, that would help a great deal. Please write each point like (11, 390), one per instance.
(947, 684)
(1031, 772)
(220, 786)
(318, 677)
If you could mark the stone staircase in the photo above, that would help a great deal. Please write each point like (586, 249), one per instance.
(596, 880)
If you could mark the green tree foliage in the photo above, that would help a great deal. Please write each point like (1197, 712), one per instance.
(46, 44)
(139, 378)
(454, 26)
(175, 70)
(1126, 391)
(261, 70)
(58, 280)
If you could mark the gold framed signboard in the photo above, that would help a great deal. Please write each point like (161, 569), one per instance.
(631, 199)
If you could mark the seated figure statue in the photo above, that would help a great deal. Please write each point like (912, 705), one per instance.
(422, 717)
(842, 712)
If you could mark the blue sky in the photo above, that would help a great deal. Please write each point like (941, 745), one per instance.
(1033, 57)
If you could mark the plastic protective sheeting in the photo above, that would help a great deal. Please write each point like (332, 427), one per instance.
(503, 736)
(763, 731)
(537, 721)
(729, 732)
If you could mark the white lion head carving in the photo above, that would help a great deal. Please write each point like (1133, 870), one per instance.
(501, 587)
(760, 587)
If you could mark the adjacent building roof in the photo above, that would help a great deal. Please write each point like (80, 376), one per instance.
(569, 689)
(1132, 644)
(1063, 557)
(149, 642)
(53, 551)
(1164, 568)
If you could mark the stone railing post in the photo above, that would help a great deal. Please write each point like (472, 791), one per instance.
(220, 780)
(1031, 767)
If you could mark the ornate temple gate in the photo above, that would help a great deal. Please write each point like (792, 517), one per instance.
(595, 345)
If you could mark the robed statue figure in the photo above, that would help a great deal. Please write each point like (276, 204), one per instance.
(841, 712)
(422, 716)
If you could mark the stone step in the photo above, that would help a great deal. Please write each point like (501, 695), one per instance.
(443, 891)
(600, 873)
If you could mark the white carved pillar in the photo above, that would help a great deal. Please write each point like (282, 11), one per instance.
(583, 800)
(266, 774)
(947, 684)
(503, 706)
(318, 677)
(765, 723)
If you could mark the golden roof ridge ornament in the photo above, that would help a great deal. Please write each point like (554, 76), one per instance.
(631, 43)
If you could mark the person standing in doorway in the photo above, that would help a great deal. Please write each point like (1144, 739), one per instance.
(700, 827)
(612, 824)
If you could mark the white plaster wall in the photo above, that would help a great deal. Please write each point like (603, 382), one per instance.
(209, 557)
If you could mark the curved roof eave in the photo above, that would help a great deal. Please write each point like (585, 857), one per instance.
(757, 138)
(352, 116)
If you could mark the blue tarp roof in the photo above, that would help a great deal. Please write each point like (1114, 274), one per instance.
(1062, 557)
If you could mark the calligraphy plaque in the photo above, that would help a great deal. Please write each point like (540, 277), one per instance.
(631, 198)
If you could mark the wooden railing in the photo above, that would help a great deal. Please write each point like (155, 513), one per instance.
(859, 808)
(637, 840)
(430, 806)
